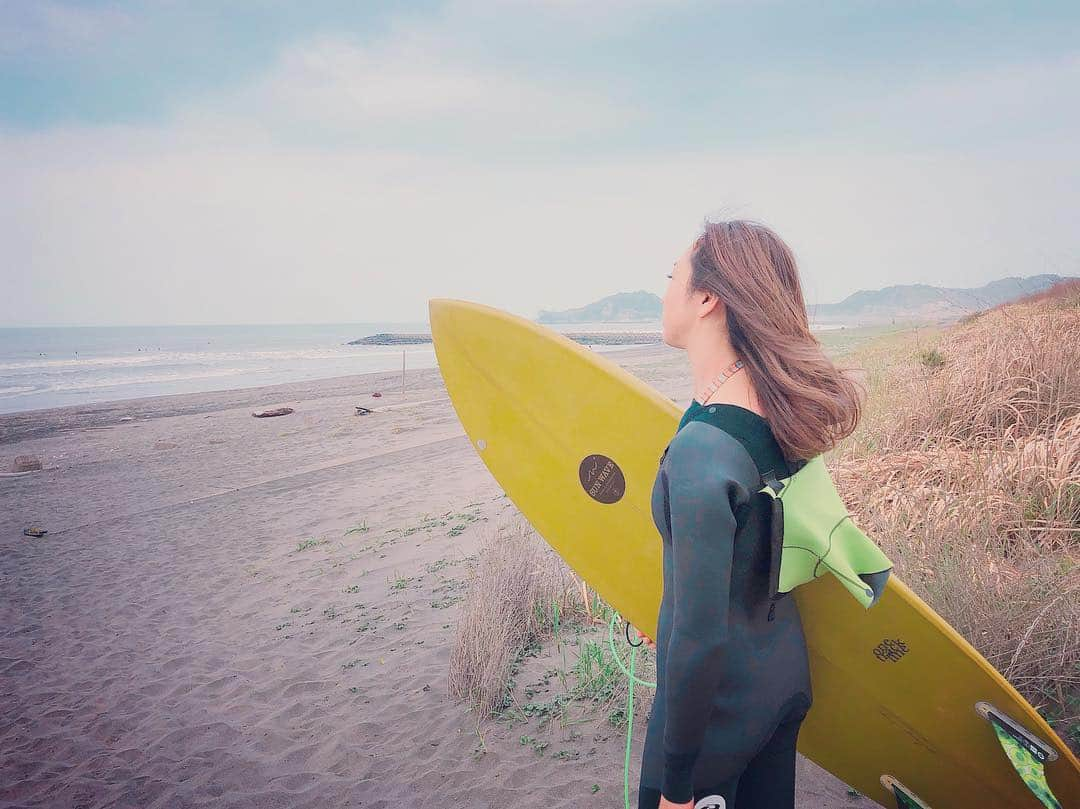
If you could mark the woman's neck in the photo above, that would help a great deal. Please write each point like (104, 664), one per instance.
(708, 358)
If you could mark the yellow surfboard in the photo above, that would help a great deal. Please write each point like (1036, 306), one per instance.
(902, 703)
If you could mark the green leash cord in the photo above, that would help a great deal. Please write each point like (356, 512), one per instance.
(629, 701)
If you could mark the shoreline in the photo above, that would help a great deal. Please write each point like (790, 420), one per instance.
(31, 382)
(44, 422)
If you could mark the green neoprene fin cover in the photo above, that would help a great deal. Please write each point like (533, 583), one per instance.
(819, 536)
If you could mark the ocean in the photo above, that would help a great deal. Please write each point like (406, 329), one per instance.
(44, 367)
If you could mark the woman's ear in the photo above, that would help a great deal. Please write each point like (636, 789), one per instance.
(710, 303)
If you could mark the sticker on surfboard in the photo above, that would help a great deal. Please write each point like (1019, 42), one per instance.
(890, 650)
(1025, 751)
(602, 479)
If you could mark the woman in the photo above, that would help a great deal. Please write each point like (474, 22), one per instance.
(733, 678)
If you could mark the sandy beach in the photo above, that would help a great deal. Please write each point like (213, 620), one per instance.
(211, 619)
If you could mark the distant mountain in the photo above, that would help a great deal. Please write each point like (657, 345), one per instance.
(901, 302)
(622, 306)
(925, 302)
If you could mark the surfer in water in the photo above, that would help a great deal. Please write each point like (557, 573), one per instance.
(733, 677)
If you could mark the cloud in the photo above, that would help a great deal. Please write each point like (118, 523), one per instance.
(1036, 99)
(137, 227)
(409, 89)
(30, 28)
(617, 16)
(353, 180)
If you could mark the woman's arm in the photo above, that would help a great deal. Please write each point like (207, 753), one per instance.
(703, 469)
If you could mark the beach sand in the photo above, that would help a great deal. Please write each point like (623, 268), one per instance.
(200, 628)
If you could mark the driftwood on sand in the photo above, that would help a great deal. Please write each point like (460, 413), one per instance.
(280, 411)
(26, 463)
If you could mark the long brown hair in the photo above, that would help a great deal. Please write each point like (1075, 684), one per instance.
(809, 402)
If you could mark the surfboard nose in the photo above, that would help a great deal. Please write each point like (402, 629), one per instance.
(456, 320)
(442, 311)
(441, 317)
(438, 308)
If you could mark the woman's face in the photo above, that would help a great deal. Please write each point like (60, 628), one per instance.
(679, 311)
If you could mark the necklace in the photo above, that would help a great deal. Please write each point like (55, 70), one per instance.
(721, 378)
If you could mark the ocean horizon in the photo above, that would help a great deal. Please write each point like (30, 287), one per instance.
(59, 366)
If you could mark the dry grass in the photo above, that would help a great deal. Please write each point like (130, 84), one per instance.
(509, 605)
(966, 471)
(521, 596)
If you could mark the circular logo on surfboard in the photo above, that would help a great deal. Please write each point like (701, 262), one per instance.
(602, 479)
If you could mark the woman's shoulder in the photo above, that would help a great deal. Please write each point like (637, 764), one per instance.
(752, 431)
(710, 452)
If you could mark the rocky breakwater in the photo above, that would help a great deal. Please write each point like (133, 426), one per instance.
(391, 340)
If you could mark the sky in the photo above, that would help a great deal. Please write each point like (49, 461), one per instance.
(199, 162)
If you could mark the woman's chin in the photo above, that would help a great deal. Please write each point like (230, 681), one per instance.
(669, 340)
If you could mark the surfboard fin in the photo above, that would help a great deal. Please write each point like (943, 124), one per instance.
(1027, 753)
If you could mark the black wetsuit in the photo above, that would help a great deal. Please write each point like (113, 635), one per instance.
(733, 682)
